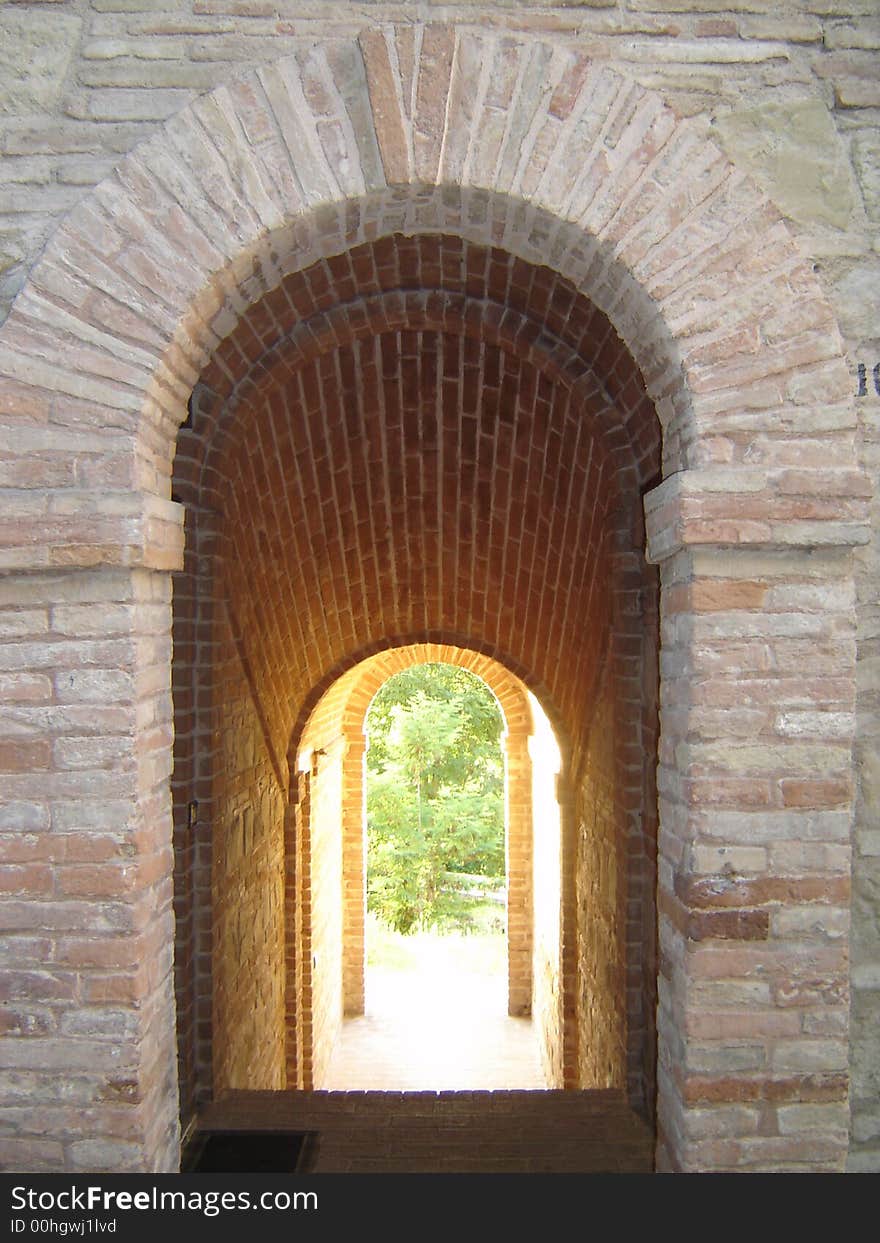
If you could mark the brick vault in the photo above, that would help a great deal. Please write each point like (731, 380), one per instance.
(442, 362)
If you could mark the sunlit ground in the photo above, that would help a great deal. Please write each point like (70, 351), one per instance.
(481, 953)
(436, 1018)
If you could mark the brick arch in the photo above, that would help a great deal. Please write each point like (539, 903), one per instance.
(433, 283)
(507, 680)
(591, 176)
(328, 373)
(421, 129)
(318, 316)
(336, 727)
(343, 706)
(626, 426)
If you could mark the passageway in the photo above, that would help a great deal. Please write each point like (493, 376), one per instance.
(437, 818)
(418, 441)
(331, 819)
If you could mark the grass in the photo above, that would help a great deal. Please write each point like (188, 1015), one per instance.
(483, 951)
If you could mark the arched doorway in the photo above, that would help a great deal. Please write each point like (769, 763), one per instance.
(594, 182)
(437, 995)
(335, 731)
(461, 423)
(445, 456)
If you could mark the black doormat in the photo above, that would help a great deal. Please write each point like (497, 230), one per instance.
(248, 1152)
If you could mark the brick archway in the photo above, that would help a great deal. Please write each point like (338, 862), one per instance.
(336, 727)
(489, 411)
(585, 175)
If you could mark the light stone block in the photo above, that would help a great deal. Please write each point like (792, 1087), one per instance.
(795, 154)
(35, 52)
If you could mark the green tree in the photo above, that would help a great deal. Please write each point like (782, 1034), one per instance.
(435, 797)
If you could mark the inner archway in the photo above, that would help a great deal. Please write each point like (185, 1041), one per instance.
(435, 802)
(331, 758)
(436, 886)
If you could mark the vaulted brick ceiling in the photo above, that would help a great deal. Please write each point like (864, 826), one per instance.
(421, 438)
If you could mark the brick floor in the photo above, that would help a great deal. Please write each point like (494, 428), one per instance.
(450, 1132)
(437, 1028)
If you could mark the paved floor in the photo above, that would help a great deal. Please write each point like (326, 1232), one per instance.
(438, 1028)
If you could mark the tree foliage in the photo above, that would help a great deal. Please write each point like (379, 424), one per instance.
(435, 797)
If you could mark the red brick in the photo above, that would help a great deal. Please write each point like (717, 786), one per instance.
(23, 757)
(815, 793)
(706, 892)
(832, 1087)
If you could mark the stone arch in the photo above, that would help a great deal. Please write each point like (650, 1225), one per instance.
(565, 163)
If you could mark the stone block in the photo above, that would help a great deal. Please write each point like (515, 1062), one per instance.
(809, 1055)
(107, 1154)
(35, 54)
(857, 297)
(866, 159)
(797, 157)
(857, 93)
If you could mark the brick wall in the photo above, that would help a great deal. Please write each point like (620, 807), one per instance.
(729, 308)
(547, 909)
(602, 891)
(247, 883)
(85, 845)
(778, 990)
(327, 910)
